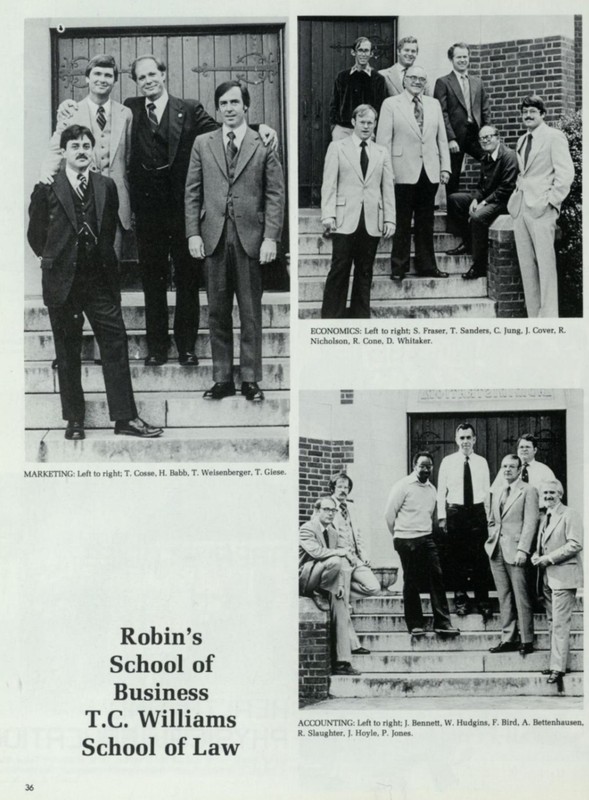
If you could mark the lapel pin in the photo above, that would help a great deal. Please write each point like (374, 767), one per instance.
(179, 115)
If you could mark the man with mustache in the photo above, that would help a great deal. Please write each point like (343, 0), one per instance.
(72, 230)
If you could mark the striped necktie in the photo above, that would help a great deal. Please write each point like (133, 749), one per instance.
(81, 187)
(101, 118)
(152, 116)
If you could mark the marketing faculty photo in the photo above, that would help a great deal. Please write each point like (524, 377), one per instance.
(440, 167)
(157, 260)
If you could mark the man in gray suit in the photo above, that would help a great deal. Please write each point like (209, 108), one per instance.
(234, 204)
(407, 50)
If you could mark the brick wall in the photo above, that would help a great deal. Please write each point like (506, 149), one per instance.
(319, 459)
(578, 61)
(314, 652)
(503, 275)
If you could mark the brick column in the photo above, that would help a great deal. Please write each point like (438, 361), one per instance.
(503, 277)
(314, 652)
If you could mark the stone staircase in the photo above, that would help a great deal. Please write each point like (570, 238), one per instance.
(432, 666)
(414, 298)
(171, 396)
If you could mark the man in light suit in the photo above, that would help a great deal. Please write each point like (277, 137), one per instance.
(234, 214)
(357, 208)
(110, 123)
(512, 527)
(411, 126)
(465, 107)
(560, 541)
(324, 570)
(546, 175)
(407, 50)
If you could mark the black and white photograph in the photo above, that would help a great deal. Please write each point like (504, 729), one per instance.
(440, 166)
(156, 272)
(440, 549)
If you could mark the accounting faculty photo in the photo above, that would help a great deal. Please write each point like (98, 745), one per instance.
(440, 166)
(441, 548)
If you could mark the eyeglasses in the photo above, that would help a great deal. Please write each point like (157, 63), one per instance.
(364, 50)
(413, 79)
(487, 138)
(329, 509)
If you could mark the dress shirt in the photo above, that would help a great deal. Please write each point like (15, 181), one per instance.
(461, 76)
(72, 177)
(95, 106)
(239, 134)
(537, 474)
(451, 481)
(367, 69)
(160, 105)
(410, 508)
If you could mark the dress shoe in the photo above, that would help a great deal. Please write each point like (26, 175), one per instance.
(155, 361)
(556, 677)
(188, 360)
(433, 273)
(417, 632)
(360, 651)
(526, 648)
(504, 647)
(251, 391)
(75, 430)
(137, 427)
(449, 631)
(472, 274)
(461, 250)
(549, 671)
(220, 390)
(321, 601)
(345, 668)
(397, 278)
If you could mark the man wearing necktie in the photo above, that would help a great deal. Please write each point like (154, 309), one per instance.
(512, 530)
(546, 173)
(407, 50)
(234, 204)
(558, 555)
(465, 107)
(463, 503)
(357, 208)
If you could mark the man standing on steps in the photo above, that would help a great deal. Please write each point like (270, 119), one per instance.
(357, 208)
(560, 541)
(474, 212)
(463, 504)
(408, 515)
(323, 567)
(512, 529)
(72, 230)
(466, 110)
(411, 127)
(407, 50)
(234, 216)
(546, 173)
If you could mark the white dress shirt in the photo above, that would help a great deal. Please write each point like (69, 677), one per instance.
(451, 481)
(160, 105)
(239, 134)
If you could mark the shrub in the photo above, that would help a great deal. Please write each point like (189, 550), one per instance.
(569, 249)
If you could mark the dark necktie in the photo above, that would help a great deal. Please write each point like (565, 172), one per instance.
(81, 187)
(101, 118)
(325, 537)
(504, 499)
(231, 148)
(344, 510)
(465, 86)
(544, 532)
(468, 493)
(418, 111)
(525, 476)
(363, 158)
(152, 116)
(527, 150)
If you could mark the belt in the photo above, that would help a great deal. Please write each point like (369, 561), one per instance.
(155, 169)
(456, 507)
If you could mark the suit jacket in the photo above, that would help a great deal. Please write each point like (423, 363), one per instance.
(312, 549)
(562, 540)
(513, 528)
(257, 191)
(547, 177)
(344, 191)
(497, 181)
(187, 120)
(449, 92)
(119, 151)
(394, 80)
(411, 148)
(53, 234)
(348, 535)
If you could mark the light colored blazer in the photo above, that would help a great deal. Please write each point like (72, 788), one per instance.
(344, 191)
(514, 528)
(411, 148)
(119, 151)
(311, 550)
(257, 191)
(562, 540)
(547, 178)
(394, 80)
(348, 534)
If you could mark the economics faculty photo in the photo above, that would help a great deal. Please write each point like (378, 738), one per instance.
(441, 549)
(156, 266)
(440, 166)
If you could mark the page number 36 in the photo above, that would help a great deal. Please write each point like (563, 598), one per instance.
(29, 787)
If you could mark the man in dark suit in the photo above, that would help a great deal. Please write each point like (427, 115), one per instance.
(474, 212)
(465, 107)
(234, 214)
(72, 230)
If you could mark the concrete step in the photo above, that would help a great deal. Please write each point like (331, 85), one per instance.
(473, 623)
(318, 265)
(39, 377)
(39, 346)
(310, 221)
(471, 684)
(467, 641)
(170, 410)
(316, 244)
(176, 445)
(275, 311)
(383, 288)
(417, 309)
(392, 603)
(460, 661)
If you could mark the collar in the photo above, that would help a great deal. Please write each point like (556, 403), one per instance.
(358, 141)
(461, 75)
(95, 106)
(495, 154)
(410, 96)
(160, 104)
(412, 478)
(239, 133)
(72, 176)
(554, 510)
(367, 69)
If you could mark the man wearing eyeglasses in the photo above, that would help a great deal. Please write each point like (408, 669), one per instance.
(473, 212)
(354, 87)
(411, 126)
